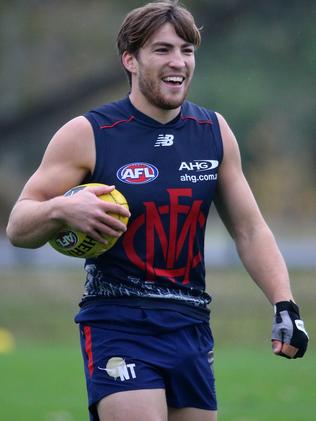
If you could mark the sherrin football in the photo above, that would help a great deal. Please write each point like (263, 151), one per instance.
(78, 244)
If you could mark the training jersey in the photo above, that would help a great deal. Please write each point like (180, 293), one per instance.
(168, 174)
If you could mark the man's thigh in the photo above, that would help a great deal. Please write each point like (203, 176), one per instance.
(134, 405)
(189, 414)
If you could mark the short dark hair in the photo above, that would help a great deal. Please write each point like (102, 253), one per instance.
(141, 23)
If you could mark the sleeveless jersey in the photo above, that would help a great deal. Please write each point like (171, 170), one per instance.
(168, 174)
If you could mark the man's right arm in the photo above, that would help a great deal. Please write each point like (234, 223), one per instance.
(41, 209)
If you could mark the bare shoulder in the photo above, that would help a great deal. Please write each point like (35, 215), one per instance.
(74, 144)
(76, 133)
(68, 159)
(79, 125)
(221, 120)
(230, 144)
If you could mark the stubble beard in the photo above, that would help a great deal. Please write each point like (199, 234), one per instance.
(151, 91)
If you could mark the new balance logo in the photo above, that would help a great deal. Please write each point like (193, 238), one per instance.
(164, 140)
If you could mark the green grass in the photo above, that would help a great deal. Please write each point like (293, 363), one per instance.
(42, 383)
(42, 379)
(255, 386)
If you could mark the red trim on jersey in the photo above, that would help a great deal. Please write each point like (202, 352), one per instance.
(188, 117)
(88, 348)
(130, 118)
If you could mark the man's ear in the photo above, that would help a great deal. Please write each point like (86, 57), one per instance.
(129, 62)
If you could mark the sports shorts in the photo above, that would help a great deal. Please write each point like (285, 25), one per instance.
(177, 359)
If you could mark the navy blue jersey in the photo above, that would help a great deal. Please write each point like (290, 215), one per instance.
(168, 174)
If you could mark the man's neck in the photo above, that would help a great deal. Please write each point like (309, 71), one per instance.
(156, 113)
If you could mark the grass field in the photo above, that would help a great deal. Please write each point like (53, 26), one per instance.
(42, 378)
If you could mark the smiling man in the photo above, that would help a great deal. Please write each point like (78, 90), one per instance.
(161, 73)
(144, 317)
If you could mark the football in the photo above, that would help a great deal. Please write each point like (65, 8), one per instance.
(78, 244)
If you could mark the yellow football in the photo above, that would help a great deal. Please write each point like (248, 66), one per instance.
(78, 244)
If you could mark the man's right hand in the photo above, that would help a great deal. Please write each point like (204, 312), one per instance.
(86, 212)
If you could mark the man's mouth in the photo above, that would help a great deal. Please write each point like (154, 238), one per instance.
(174, 80)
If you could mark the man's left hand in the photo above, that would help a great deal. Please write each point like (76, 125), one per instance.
(289, 337)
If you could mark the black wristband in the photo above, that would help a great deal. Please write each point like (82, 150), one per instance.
(289, 306)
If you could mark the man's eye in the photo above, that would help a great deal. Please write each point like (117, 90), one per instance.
(161, 50)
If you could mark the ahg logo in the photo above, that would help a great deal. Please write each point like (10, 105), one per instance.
(178, 246)
(199, 165)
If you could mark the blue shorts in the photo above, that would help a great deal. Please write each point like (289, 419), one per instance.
(178, 360)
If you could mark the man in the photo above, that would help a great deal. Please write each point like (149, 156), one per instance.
(144, 317)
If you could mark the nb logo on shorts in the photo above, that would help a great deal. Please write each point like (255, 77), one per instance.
(116, 367)
(164, 140)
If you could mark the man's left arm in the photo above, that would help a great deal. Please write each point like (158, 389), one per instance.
(257, 248)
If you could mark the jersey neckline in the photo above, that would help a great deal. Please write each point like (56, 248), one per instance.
(144, 118)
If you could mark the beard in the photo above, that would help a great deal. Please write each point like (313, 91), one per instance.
(152, 91)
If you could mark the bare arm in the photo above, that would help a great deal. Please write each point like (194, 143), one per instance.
(41, 209)
(254, 240)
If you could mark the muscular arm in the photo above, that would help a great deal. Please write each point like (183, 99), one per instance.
(41, 209)
(254, 240)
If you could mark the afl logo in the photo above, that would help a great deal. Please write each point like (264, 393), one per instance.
(66, 239)
(137, 173)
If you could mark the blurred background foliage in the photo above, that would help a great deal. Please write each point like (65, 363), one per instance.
(256, 66)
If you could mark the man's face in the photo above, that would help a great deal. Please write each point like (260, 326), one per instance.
(164, 69)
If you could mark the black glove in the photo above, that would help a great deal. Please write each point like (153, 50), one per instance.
(289, 328)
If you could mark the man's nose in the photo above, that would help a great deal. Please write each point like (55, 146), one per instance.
(177, 59)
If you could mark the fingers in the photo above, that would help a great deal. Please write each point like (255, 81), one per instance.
(111, 207)
(97, 217)
(101, 232)
(276, 346)
(289, 350)
(99, 190)
(105, 224)
(109, 225)
(283, 349)
(116, 208)
(102, 237)
(101, 225)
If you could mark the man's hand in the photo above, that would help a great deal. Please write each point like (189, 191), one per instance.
(86, 212)
(289, 337)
